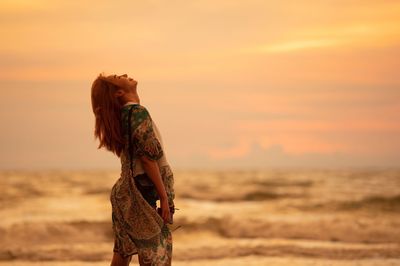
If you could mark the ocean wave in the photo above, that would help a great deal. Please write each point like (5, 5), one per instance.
(242, 195)
(372, 204)
(389, 204)
(31, 233)
(334, 229)
(92, 240)
(213, 249)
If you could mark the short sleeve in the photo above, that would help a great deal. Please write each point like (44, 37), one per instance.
(145, 141)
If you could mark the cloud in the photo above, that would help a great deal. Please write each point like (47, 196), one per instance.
(343, 36)
(275, 156)
(296, 45)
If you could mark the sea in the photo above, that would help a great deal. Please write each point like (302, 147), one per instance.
(223, 217)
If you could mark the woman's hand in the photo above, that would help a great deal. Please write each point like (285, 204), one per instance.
(153, 171)
(165, 212)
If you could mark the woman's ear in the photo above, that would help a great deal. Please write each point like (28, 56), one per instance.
(119, 93)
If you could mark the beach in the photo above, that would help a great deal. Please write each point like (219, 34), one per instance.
(236, 217)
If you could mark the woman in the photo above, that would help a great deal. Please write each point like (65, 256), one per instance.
(145, 173)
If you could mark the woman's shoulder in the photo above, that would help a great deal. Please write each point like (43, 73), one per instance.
(140, 112)
(140, 117)
(137, 111)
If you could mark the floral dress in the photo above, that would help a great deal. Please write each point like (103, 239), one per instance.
(137, 227)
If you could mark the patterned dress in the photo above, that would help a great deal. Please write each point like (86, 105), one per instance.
(137, 227)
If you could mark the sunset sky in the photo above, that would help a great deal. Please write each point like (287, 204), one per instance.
(230, 84)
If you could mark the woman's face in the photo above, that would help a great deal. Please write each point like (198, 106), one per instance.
(122, 81)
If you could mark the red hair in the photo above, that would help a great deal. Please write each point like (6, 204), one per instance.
(107, 111)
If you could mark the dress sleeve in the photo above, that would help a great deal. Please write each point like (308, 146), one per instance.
(145, 141)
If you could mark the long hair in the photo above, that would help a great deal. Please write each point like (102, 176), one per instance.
(107, 112)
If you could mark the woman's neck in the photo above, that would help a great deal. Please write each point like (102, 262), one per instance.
(132, 99)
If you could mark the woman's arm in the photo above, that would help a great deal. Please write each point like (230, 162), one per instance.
(152, 170)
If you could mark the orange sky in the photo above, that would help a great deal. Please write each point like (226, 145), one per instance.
(230, 83)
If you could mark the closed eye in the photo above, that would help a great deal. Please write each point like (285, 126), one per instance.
(124, 75)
